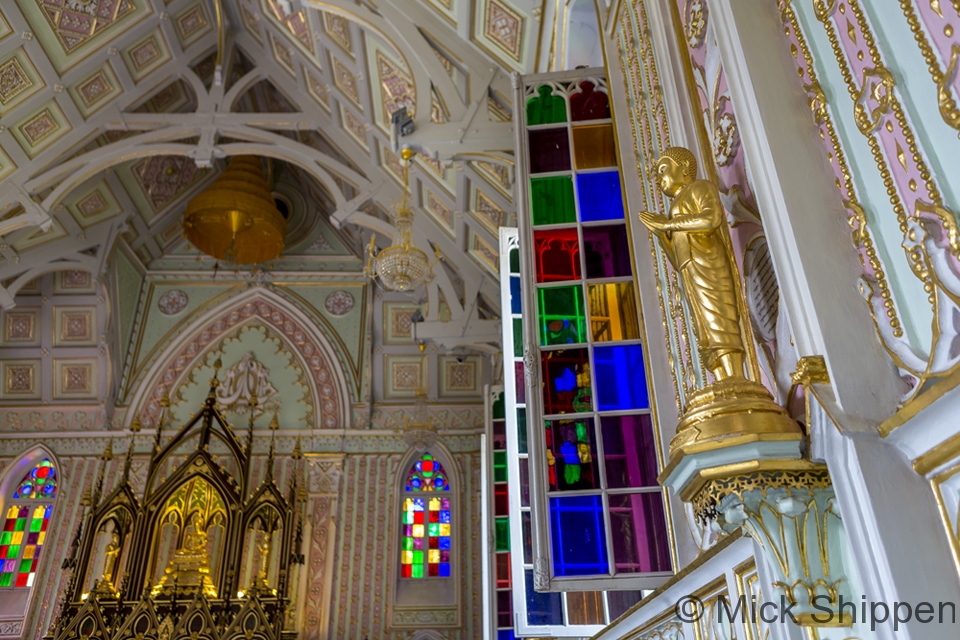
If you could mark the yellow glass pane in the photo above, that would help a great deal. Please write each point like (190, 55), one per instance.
(593, 146)
(40, 538)
(444, 530)
(418, 531)
(613, 312)
(17, 537)
(434, 504)
(28, 552)
(406, 557)
(13, 511)
(433, 556)
(38, 513)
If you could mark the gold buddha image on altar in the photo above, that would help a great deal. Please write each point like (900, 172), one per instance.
(691, 237)
(189, 568)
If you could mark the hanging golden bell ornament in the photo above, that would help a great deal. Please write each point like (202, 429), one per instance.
(235, 219)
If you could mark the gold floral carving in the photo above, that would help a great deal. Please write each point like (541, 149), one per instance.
(877, 85)
(716, 490)
(13, 80)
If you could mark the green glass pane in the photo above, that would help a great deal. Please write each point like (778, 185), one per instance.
(5, 579)
(433, 529)
(20, 525)
(417, 570)
(13, 551)
(546, 108)
(417, 559)
(551, 200)
(517, 338)
(25, 566)
(5, 537)
(499, 466)
(36, 524)
(498, 410)
(522, 430)
(514, 261)
(502, 530)
(561, 315)
(407, 543)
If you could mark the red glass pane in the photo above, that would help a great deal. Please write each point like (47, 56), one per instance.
(566, 381)
(434, 569)
(406, 570)
(22, 579)
(557, 254)
(503, 570)
(549, 150)
(589, 104)
(500, 500)
(418, 517)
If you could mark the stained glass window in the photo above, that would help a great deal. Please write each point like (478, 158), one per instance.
(426, 538)
(25, 526)
(425, 522)
(427, 474)
(39, 484)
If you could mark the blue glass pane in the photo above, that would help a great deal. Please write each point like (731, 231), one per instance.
(621, 377)
(542, 608)
(505, 634)
(515, 295)
(579, 544)
(600, 196)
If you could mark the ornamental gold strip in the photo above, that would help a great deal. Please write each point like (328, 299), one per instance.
(858, 221)
(945, 100)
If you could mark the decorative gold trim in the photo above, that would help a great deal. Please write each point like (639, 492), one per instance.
(770, 475)
(910, 409)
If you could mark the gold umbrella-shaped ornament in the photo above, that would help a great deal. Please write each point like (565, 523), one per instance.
(235, 219)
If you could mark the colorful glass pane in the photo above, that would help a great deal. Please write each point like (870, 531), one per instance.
(20, 544)
(427, 474)
(546, 108)
(39, 483)
(425, 545)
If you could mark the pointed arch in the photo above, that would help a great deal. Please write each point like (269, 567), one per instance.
(428, 514)
(24, 541)
(310, 344)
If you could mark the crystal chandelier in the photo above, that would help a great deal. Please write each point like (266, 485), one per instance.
(401, 266)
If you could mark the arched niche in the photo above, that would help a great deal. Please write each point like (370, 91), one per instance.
(14, 601)
(173, 360)
(425, 596)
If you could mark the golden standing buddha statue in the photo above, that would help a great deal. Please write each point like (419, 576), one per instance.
(733, 409)
(691, 237)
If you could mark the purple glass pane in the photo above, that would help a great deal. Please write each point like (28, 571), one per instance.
(638, 525)
(607, 251)
(520, 382)
(566, 381)
(629, 451)
(549, 150)
(524, 482)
